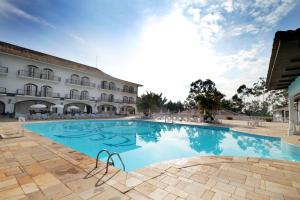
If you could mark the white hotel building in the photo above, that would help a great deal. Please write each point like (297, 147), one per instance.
(29, 77)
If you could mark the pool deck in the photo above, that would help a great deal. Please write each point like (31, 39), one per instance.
(35, 167)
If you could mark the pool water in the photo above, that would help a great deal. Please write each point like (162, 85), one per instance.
(143, 143)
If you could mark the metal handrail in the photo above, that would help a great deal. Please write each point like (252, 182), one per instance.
(110, 158)
(103, 150)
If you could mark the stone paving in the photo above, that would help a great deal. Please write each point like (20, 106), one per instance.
(34, 167)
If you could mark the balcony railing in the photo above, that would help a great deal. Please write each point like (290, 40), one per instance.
(128, 102)
(2, 90)
(129, 91)
(37, 93)
(49, 94)
(3, 70)
(105, 99)
(115, 100)
(36, 75)
(82, 83)
(79, 97)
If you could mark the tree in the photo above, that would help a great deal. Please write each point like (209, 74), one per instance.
(174, 106)
(150, 101)
(205, 96)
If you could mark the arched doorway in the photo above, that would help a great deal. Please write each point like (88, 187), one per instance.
(107, 109)
(2, 108)
(23, 107)
(127, 110)
(83, 108)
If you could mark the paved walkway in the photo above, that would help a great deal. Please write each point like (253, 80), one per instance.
(34, 167)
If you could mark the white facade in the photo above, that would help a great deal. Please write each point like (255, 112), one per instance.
(24, 82)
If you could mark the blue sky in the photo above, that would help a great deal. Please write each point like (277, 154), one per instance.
(162, 44)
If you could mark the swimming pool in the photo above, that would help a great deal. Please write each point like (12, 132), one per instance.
(142, 143)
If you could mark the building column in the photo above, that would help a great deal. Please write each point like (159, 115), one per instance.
(292, 120)
(118, 109)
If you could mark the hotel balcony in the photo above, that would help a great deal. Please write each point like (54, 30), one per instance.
(37, 94)
(106, 87)
(129, 91)
(47, 77)
(3, 70)
(128, 102)
(106, 100)
(114, 100)
(80, 83)
(2, 90)
(79, 97)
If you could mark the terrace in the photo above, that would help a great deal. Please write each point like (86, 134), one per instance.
(36, 167)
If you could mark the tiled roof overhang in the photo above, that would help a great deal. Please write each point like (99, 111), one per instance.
(284, 65)
(46, 58)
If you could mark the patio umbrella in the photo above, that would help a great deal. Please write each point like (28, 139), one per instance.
(38, 106)
(85, 109)
(73, 107)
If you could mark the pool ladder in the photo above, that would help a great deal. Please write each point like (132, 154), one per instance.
(109, 159)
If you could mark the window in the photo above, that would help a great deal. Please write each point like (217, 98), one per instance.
(84, 95)
(111, 86)
(111, 98)
(85, 81)
(104, 85)
(48, 74)
(33, 71)
(131, 89)
(125, 88)
(75, 79)
(73, 94)
(30, 89)
(46, 91)
(103, 97)
(131, 100)
(125, 99)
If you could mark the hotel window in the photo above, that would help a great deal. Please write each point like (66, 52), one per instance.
(131, 100)
(30, 89)
(48, 74)
(104, 85)
(103, 97)
(73, 94)
(46, 91)
(125, 88)
(84, 95)
(131, 89)
(111, 98)
(111, 86)
(75, 79)
(32, 71)
(125, 99)
(85, 81)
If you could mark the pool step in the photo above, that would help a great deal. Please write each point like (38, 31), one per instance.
(109, 160)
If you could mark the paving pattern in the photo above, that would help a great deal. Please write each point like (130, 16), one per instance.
(34, 167)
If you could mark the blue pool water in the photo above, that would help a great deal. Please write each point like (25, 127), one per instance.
(142, 143)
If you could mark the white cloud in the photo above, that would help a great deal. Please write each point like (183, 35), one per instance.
(171, 55)
(9, 10)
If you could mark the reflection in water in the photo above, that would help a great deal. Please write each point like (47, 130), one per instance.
(208, 141)
(258, 144)
(150, 142)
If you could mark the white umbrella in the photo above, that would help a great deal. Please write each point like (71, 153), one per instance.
(38, 106)
(85, 109)
(73, 107)
(58, 106)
